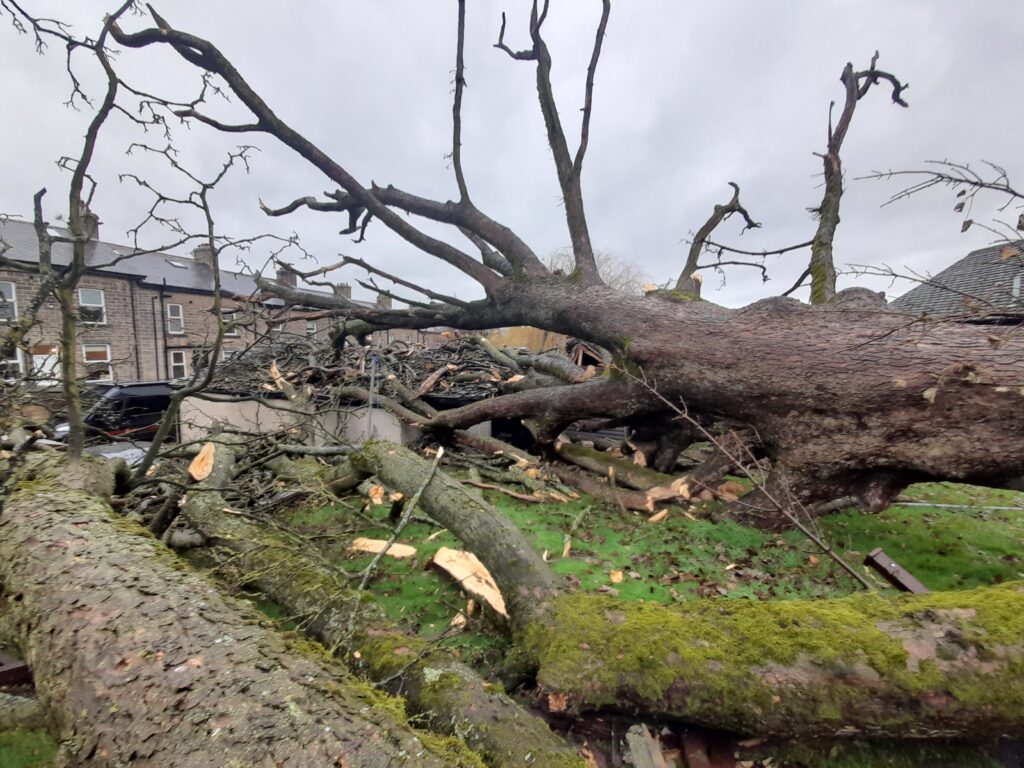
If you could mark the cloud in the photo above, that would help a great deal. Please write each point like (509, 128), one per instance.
(689, 97)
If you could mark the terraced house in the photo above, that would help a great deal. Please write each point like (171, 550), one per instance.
(141, 317)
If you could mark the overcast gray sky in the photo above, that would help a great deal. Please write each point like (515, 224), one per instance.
(689, 96)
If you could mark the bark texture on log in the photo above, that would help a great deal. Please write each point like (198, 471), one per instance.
(938, 665)
(141, 662)
(451, 697)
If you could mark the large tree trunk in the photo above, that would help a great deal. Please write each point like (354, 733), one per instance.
(931, 666)
(846, 398)
(139, 661)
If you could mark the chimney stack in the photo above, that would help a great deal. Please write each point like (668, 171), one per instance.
(203, 254)
(90, 223)
(287, 276)
(344, 290)
(384, 302)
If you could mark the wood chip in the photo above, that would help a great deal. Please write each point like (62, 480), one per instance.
(472, 576)
(557, 702)
(376, 495)
(615, 577)
(202, 464)
(400, 551)
(657, 517)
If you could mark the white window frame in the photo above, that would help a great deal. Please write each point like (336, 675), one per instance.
(1016, 289)
(102, 306)
(227, 354)
(13, 302)
(180, 320)
(90, 363)
(311, 328)
(183, 364)
(18, 362)
(228, 317)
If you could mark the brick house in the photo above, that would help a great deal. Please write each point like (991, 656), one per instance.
(144, 317)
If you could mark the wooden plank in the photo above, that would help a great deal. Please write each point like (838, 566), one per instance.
(894, 573)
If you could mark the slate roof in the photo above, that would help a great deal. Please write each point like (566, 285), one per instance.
(152, 269)
(981, 283)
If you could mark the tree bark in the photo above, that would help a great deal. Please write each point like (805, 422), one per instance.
(139, 661)
(450, 696)
(940, 665)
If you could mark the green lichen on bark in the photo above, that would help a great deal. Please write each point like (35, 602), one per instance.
(793, 666)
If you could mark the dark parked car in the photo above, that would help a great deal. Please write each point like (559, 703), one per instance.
(132, 409)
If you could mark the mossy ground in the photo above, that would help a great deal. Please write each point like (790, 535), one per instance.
(26, 749)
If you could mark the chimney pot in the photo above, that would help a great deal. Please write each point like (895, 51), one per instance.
(344, 290)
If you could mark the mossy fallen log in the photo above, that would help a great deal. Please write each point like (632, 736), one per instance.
(449, 696)
(940, 665)
(138, 660)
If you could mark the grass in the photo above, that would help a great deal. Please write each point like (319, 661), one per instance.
(26, 749)
(685, 558)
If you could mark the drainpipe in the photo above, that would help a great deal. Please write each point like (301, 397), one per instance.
(163, 328)
(135, 331)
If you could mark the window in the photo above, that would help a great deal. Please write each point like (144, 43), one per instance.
(227, 354)
(45, 364)
(1016, 286)
(310, 327)
(8, 302)
(97, 362)
(92, 307)
(10, 369)
(229, 319)
(179, 365)
(175, 319)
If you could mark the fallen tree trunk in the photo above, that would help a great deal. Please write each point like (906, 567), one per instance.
(137, 660)
(450, 696)
(941, 665)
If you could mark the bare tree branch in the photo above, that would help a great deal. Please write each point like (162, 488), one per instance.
(686, 281)
(822, 264)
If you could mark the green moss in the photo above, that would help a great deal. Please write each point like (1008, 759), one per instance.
(601, 650)
(27, 749)
(452, 750)
(682, 295)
